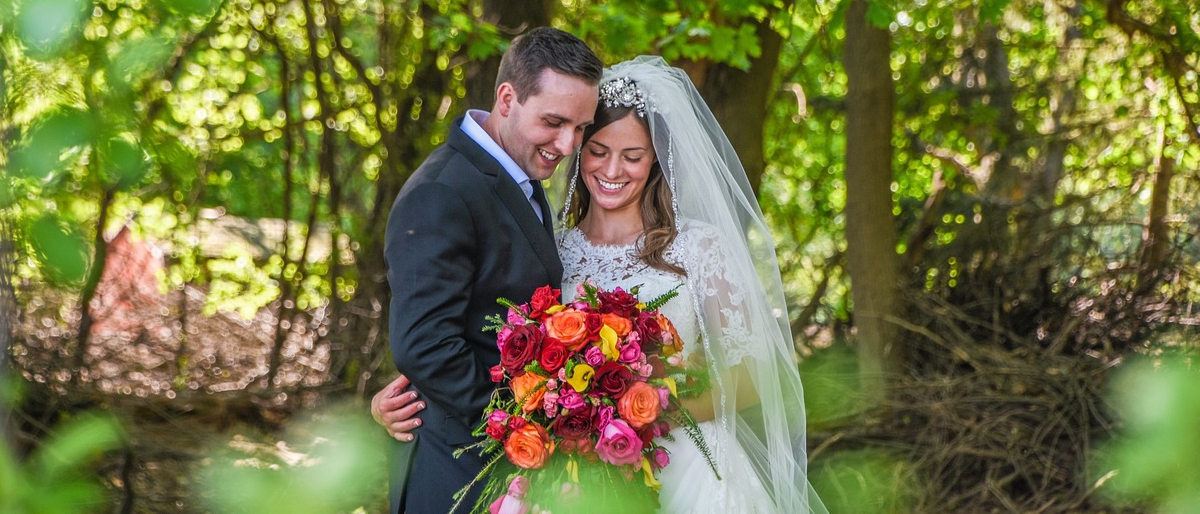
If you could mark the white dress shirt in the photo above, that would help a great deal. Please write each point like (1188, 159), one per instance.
(472, 125)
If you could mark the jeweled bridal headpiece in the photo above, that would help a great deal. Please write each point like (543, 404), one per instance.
(624, 92)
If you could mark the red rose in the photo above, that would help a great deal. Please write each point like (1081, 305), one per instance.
(612, 379)
(651, 331)
(544, 298)
(554, 354)
(618, 302)
(521, 348)
(576, 423)
(594, 323)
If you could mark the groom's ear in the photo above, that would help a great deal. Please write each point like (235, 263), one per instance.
(506, 97)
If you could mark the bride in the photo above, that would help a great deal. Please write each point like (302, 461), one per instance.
(658, 199)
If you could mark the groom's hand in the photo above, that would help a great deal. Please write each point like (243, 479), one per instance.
(395, 408)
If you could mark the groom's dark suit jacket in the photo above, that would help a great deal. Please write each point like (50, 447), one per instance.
(461, 234)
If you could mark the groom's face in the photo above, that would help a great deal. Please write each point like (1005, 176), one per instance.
(542, 131)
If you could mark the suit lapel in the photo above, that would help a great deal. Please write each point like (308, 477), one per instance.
(540, 234)
(535, 231)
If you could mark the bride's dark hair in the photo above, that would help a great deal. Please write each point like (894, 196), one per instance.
(658, 217)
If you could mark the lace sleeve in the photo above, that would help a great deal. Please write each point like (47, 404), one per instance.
(720, 299)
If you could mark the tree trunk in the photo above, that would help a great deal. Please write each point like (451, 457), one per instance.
(870, 226)
(1155, 236)
(512, 18)
(739, 99)
(8, 314)
(95, 273)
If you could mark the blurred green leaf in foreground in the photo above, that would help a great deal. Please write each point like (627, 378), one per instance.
(1156, 457)
(331, 463)
(55, 479)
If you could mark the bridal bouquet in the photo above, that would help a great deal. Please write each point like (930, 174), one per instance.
(586, 387)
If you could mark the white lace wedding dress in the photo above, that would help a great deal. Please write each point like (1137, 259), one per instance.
(688, 482)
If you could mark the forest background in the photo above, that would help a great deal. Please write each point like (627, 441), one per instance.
(985, 214)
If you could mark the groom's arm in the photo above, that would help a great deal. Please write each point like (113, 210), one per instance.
(430, 248)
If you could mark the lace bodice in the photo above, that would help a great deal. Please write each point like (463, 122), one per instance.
(707, 289)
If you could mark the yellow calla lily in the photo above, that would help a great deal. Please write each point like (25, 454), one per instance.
(573, 469)
(670, 383)
(581, 377)
(648, 475)
(555, 308)
(608, 343)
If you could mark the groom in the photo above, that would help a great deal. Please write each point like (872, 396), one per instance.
(472, 225)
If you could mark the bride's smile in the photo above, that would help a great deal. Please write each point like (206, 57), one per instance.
(616, 164)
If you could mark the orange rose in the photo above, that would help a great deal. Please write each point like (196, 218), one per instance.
(529, 390)
(569, 327)
(675, 343)
(639, 405)
(529, 446)
(619, 324)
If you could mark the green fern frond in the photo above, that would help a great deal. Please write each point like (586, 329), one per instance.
(684, 419)
(662, 299)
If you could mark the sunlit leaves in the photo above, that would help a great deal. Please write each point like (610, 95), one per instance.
(47, 27)
(123, 162)
(62, 250)
(55, 137)
(139, 58)
(677, 30)
(196, 8)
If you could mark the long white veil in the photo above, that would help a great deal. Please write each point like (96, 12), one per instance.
(744, 323)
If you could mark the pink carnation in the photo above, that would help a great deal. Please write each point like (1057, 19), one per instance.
(570, 399)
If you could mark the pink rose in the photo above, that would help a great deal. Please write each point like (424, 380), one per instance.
(660, 458)
(515, 317)
(498, 416)
(619, 444)
(630, 352)
(594, 357)
(664, 396)
(605, 415)
(502, 337)
(513, 502)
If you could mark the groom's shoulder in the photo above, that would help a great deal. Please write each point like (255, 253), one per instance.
(449, 167)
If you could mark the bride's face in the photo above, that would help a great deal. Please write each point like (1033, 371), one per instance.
(615, 164)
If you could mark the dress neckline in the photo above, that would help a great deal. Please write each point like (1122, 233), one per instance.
(602, 246)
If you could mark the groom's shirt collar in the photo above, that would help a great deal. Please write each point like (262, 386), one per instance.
(472, 125)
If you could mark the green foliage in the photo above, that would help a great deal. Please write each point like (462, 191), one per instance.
(55, 479)
(60, 249)
(333, 464)
(1156, 456)
(866, 480)
(679, 30)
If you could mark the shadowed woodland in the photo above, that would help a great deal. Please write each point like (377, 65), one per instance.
(985, 211)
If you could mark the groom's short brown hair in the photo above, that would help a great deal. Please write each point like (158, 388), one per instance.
(542, 48)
